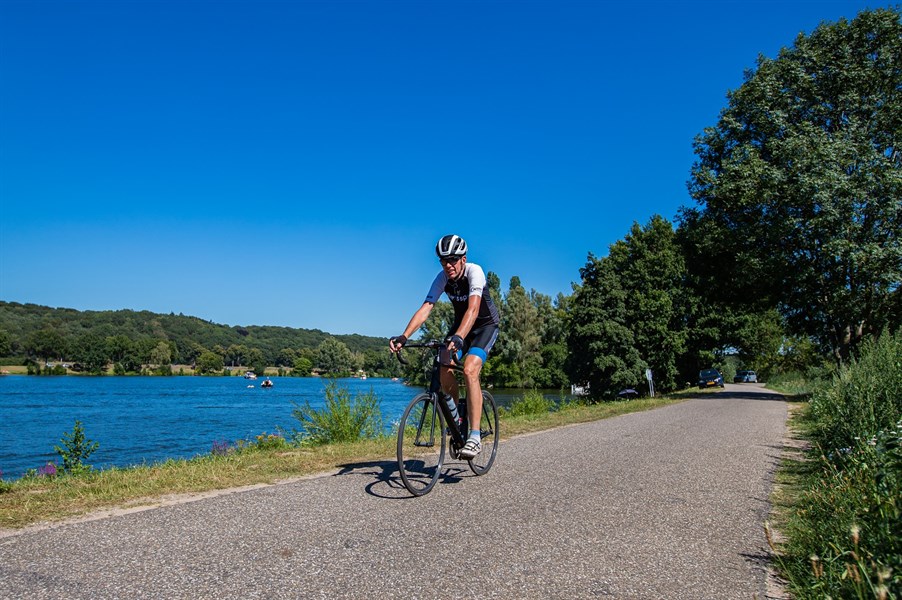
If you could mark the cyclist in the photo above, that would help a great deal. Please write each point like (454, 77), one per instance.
(473, 333)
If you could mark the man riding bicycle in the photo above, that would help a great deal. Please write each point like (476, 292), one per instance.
(473, 333)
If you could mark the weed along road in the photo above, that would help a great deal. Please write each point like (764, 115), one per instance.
(667, 503)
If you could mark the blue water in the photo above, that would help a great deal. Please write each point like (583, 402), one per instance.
(140, 420)
(143, 420)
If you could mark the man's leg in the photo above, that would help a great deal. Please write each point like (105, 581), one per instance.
(472, 368)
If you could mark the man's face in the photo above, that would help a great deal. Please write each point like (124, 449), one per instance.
(454, 266)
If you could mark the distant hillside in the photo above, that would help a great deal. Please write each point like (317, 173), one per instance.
(19, 323)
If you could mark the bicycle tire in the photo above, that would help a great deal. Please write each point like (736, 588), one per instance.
(488, 428)
(421, 445)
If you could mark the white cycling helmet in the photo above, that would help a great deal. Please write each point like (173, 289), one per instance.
(451, 245)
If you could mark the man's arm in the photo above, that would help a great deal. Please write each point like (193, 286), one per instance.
(416, 321)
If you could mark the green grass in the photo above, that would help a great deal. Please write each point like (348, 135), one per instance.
(838, 502)
(266, 460)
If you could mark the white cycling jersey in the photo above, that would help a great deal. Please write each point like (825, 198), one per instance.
(471, 283)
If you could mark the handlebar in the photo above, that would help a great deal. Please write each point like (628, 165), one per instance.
(431, 344)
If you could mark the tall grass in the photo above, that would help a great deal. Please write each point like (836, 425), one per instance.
(845, 532)
(532, 402)
(341, 420)
(865, 398)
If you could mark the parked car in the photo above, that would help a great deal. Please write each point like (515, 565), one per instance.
(745, 377)
(709, 378)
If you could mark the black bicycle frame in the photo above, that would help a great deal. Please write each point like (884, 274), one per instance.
(435, 387)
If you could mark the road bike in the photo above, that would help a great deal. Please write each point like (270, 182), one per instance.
(428, 425)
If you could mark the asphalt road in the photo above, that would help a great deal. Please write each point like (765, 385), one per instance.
(662, 504)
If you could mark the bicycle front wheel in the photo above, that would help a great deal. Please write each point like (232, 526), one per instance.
(488, 430)
(421, 445)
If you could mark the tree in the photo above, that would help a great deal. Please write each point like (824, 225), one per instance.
(334, 356)
(601, 347)
(302, 367)
(6, 346)
(518, 349)
(255, 360)
(161, 354)
(798, 184)
(439, 322)
(209, 363)
(649, 267)
(46, 344)
(90, 352)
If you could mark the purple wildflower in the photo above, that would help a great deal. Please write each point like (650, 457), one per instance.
(48, 470)
(220, 447)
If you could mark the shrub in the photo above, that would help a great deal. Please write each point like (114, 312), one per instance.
(341, 420)
(844, 534)
(864, 398)
(532, 403)
(846, 541)
(75, 450)
(270, 441)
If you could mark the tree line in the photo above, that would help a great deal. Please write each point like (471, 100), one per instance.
(789, 259)
(141, 341)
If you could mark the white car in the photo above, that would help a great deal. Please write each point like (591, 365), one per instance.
(745, 377)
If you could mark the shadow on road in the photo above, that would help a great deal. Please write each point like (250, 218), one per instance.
(385, 482)
(770, 396)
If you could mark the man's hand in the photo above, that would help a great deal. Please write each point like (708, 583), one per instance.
(397, 342)
(455, 343)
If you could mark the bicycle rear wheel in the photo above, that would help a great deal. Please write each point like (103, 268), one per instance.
(421, 445)
(488, 430)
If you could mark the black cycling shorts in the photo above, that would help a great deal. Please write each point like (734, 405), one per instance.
(480, 341)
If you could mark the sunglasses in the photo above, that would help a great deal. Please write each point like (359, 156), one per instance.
(451, 260)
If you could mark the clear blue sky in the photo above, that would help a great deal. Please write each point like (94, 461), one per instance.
(293, 163)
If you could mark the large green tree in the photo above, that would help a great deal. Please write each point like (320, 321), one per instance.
(518, 349)
(602, 352)
(799, 184)
(333, 356)
(650, 268)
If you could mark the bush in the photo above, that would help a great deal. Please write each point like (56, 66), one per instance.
(341, 420)
(864, 398)
(75, 450)
(846, 541)
(270, 441)
(532, 403)
(844, 536)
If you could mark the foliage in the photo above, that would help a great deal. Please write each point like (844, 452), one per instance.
(865, 397)
(335, 357)
(68, 332)
(75, 450)
(341, 420)
(270, 441)
(302, 367)
(799, 184)
(533, 402)
(518, 348)
(844, 541)
(602, 352)
(209, 363)
(844, 536)
(649, 267)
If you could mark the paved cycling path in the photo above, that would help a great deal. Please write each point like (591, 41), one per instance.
(663, 504)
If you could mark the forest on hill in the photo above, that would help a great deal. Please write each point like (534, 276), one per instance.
(29, 332)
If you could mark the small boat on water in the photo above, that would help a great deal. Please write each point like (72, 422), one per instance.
(250, 375)
(267, 383)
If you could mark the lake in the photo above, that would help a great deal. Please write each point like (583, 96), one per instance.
(141, 420)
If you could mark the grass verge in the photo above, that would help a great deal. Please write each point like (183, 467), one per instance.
(34, 500)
